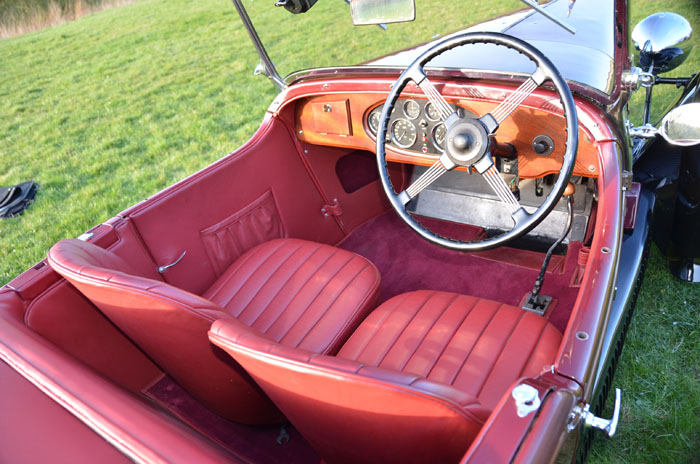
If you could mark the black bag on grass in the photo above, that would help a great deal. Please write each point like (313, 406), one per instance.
(14, 200)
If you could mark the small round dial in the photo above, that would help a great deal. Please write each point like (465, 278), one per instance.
(432, 112)
(403, 133)
(411, 109)
(373, 121)
(439, 133)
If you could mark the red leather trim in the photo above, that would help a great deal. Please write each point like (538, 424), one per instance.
(68, 320)
(476, 345)
(420, 357)
(167, 323)
(128, 424)
(171, 221)
(62, 437)
(314, 310)
(299, 293)
(354, 413)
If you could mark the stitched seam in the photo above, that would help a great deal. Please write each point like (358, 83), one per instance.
(244, 307)
(266, 356)
(335, 300)
(284, 285)
(427, 332)
(500, 353)
(297, 293)
(320, 290)
(379, 325)
(454, 333)
(145, 292)
(372, 293)
(285, 282)
(405, 327)
(532, 350)
(237, 265)
(454, 377)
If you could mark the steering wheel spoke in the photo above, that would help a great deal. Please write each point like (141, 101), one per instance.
(467, 140)
(434, 172)
(443, 108)
(500, 188)
(513, 101)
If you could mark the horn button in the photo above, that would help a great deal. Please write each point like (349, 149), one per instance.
(467, 142)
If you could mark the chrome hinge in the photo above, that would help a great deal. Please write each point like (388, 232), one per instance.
(589, 419)
(627, 178)
(162, 269)
(332, 209)
(634, 78)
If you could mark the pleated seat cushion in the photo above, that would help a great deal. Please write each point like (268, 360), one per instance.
(297, 292)
(413, 384)
(476, 345)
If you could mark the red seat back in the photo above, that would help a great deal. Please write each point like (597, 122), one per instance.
(354, 413)
(169, 324)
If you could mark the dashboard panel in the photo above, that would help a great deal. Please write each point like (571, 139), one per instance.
(414, 125)
(354, 125)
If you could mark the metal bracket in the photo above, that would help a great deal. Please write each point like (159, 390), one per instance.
(332, 209)
(591, 420)
(635, 77)
(627, 177)
(266, 67)
(537, 304)
(283, 436)
(162, 269)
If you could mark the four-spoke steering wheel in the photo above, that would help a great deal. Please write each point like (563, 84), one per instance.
(467, 143)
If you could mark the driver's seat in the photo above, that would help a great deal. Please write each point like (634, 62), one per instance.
(413, 384)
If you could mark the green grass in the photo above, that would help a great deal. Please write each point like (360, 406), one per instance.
(109, 109)
(21, 16)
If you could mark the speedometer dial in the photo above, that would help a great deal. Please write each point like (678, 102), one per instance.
(404, 133)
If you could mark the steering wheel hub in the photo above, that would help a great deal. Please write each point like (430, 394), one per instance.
(467, 142)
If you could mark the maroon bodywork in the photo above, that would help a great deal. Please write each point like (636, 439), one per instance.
(63, 355)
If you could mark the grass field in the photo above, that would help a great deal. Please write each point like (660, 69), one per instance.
(22, 16)
(109, 109)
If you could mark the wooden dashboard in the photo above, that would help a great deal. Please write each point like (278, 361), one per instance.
(341, 120)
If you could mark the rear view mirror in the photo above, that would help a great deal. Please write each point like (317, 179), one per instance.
(681, 126)
(366, 12)
(662, 40)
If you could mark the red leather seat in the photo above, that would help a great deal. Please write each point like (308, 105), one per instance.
(297, 293)
(413, 384)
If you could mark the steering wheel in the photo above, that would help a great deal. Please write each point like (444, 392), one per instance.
(467, 143)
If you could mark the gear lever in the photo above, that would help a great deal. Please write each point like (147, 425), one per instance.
(536, 302)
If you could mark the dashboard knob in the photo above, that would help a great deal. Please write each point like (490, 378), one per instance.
(543, 145)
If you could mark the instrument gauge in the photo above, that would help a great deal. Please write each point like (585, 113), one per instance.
(373, 121)
(439, 133)
(411, 109)
(432, 112)
(403, 133)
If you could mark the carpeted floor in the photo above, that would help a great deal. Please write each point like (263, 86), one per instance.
(407, 262)
(254, 444)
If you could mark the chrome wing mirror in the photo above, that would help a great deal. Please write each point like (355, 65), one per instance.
(663, 42)
(681, 126)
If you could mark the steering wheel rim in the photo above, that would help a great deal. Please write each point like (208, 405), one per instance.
(545, 71)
